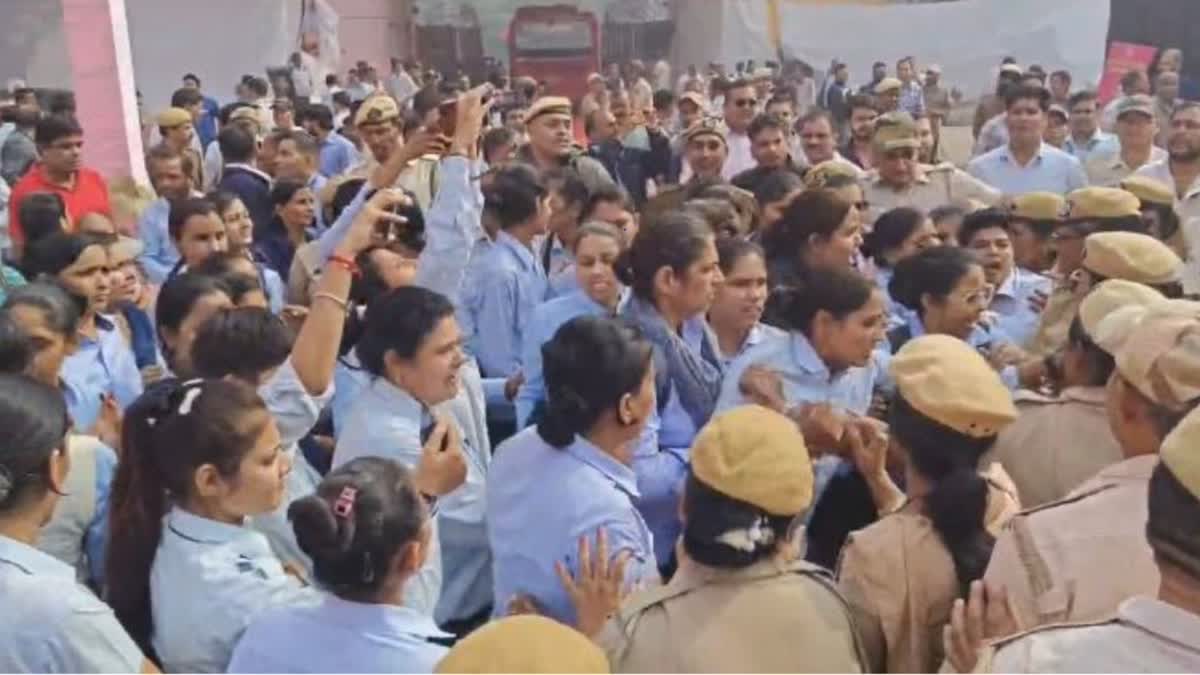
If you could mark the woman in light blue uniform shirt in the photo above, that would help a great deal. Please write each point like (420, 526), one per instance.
(673, 273)
(597, 247)
(207, 456)
(412, 350)
(44, 317)
(571, 477)
(740, 299)
(834, 318)
(368, 531)
(556, 252)
(102, 363)
(51, 624)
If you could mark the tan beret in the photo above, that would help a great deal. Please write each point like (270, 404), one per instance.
(888, 84)
(376, 110)
(1036, 206)
(1012, 68)
(173, 117)
(1091, 203)
(758, 456)
(1107, 298)
(246, 112)
(1180, 452)
(1161, 356)
(692, 97)
(1131, 256)
(548, 105)
(895, 131)
(946, 380)
(707, 126)
(1149, 190)
(524, 644)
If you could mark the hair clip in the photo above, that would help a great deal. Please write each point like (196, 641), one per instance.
(189, 399)
(749, 539)
(344, 506)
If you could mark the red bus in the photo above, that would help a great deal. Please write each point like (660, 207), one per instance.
(557, 44)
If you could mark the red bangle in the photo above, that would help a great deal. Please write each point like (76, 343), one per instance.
(346, 264)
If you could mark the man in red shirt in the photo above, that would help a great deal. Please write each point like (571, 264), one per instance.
(60, 143)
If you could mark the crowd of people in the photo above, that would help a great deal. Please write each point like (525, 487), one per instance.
(731, 374)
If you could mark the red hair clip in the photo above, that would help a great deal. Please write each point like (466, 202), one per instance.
(344, 506)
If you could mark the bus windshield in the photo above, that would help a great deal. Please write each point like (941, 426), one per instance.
(545, 38)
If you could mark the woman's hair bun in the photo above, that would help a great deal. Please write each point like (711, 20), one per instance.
(319, 532)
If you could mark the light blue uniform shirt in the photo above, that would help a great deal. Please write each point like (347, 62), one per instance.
(273, 288)
(317, 183)
(1051, 170)
(386, 421)
(159, 256)
(338, 154)
(369, 638)
(542, 500)
(547, 318)
(51, 624)
(1017, 320)
(757, 334)
(208, 582)
(1099, 145)
(100, 366)
(510, 286)
(559, 264)
(90, 548)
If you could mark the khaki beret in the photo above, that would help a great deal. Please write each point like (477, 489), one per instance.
(1036, 206)
(758, 456)
(946, 380)
(1131, 256)
(1180, 452)
(1092, 203)
(173, 117)
(1012, 68)
(524, 644)
(376, 110)
(888, 84)
(707, 126)
(1149, 190)
(548, 105)
(246, 112)
(1161, 356)
(817, 176)
(693, 97)
(895, 131)
(1140, 103)
(1107, 298)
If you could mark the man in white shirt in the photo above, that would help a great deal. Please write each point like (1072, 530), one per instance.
(741, 105)
(400, 84)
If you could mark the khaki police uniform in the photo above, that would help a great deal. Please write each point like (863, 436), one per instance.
(897, 575)
(774, 615)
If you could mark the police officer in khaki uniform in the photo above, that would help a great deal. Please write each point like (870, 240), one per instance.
(902, 573)
(1060, 440)
(1131, 256)
(1158, 210)
(705, 149)
(900, 180)
(1086, 211)
(741, 600)
(1078, 558)
(1032, 218)
(1155, 632)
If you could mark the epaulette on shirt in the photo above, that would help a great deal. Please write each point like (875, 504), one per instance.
(1069, 499)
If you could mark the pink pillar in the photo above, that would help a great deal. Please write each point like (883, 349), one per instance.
(102, 71)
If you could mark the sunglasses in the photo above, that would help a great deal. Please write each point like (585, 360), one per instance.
(746, 102)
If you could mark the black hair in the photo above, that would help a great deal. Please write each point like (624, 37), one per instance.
(33, 424)
(710, 514)
(257, 85)
(763, 122)
(176, 298)
(662, 99)
(400, 321)
(1131, 78)
(946, 212)
(61, 309)
(223, 266)
(284, 190)
(184, 97)
(494, 139)
(162, 153)
(775, 185)
(344, 195)
(41, 214)
(813, 213)
(352, 550)
(570, 186)
(16, 347)
(53, 127)
(183, 209)
(1173, 521)
(605, 194)
(957, 501)
(1100, 364)
(244, 342)
(597, 228)
(56, 252)
(514, 194)
(1079, 97)
(61, 104)
(732, 249)
(169, 432)
(890, 232)
(722, 218)
(237, 145)
(838, 291)
(977, 221)
(676, 241)
(192, 77)
(575, 397)
(1022, 92)
(223, 200)
(318, 113)
(935, 271)
(306, 144)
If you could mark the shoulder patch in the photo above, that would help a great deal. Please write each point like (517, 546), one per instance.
(1004, 641)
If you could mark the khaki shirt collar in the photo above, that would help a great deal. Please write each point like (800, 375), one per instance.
(1163, 620)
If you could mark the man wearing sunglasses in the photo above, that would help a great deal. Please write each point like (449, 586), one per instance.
(900, 179)
(741, 105)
